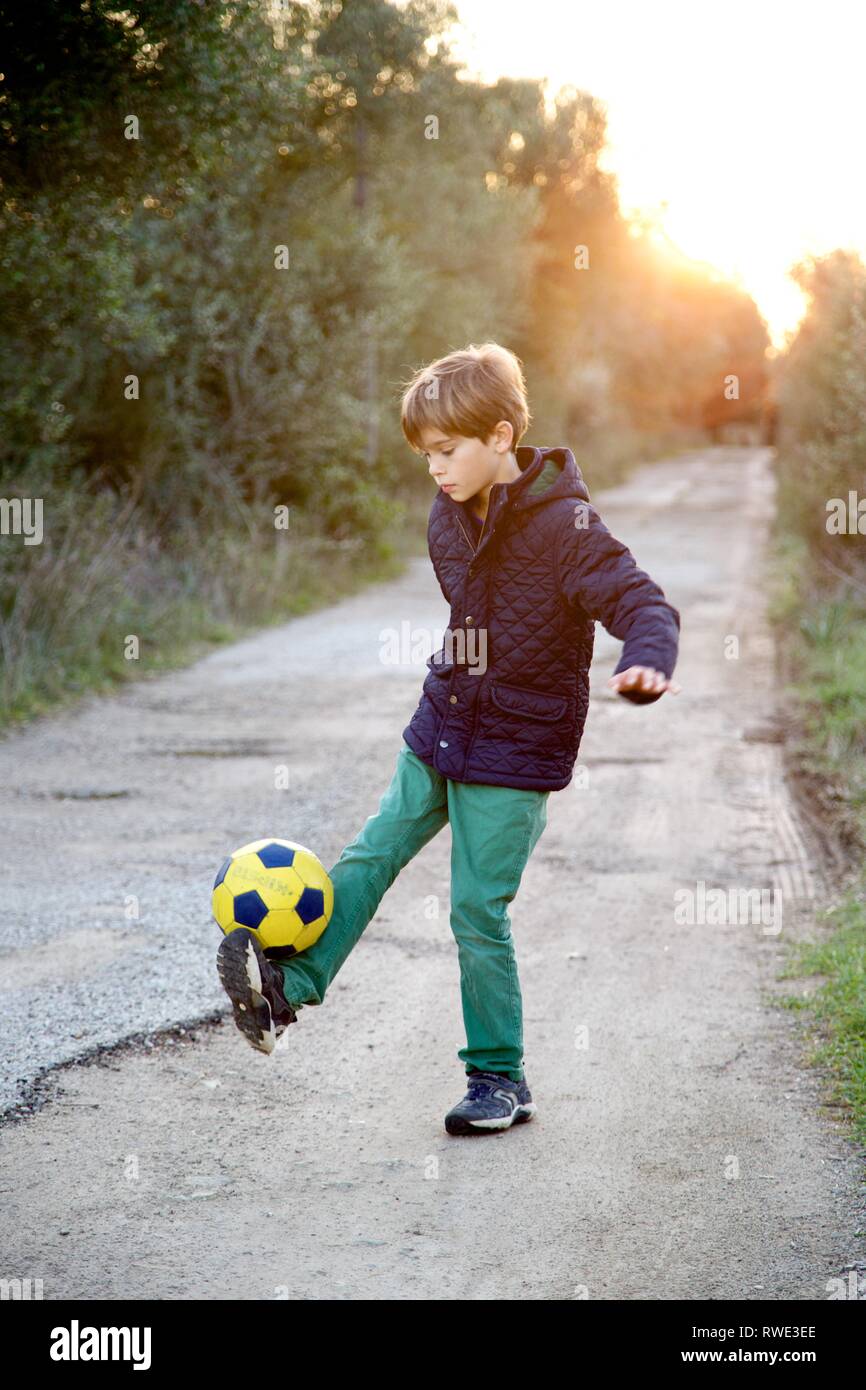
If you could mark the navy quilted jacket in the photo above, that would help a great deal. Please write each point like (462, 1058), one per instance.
(505, 699)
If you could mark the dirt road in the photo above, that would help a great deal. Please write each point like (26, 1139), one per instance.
(679, 1151)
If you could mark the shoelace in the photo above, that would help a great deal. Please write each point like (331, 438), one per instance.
(484, 1081)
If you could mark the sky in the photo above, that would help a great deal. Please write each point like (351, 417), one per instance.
(738, 129)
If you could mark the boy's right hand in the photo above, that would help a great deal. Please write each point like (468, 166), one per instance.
(643, 683)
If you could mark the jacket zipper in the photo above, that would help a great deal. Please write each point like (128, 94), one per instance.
(472, 547)
(478, 700)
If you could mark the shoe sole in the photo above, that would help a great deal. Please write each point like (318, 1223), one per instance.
(458, 1124)
(241, 977)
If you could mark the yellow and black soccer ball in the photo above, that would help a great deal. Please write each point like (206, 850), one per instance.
(278, 890)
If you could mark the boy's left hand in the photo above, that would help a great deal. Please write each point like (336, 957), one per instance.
(644, 679)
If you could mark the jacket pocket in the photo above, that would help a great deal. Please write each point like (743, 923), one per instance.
(439, 668)
(529, 704)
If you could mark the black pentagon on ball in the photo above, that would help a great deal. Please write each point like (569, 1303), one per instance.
(310, 905)
(249, 909)
(276, 856)
(222, 873)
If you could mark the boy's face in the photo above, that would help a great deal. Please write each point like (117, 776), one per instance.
(462, 466)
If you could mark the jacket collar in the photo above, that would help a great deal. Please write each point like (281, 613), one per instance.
(545, 474)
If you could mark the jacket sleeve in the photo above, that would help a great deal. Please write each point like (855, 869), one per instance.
(599, 574)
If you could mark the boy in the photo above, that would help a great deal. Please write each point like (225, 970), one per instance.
(527, 566)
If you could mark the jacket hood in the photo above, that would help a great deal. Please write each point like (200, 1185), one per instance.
(545, 475)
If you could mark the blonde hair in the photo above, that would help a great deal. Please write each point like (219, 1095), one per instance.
(466, 392)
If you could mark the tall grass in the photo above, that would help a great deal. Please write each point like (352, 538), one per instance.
(69, 606)
(820, 611)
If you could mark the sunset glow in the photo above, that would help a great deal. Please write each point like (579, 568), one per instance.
(737, 131)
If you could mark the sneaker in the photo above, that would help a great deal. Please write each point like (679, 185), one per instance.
(493, 1101)
(255, 987)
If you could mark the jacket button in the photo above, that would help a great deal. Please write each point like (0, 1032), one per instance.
(453, 699)
(469, 618)
(443, 743)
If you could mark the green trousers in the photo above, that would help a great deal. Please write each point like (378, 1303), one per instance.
(493, 832)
